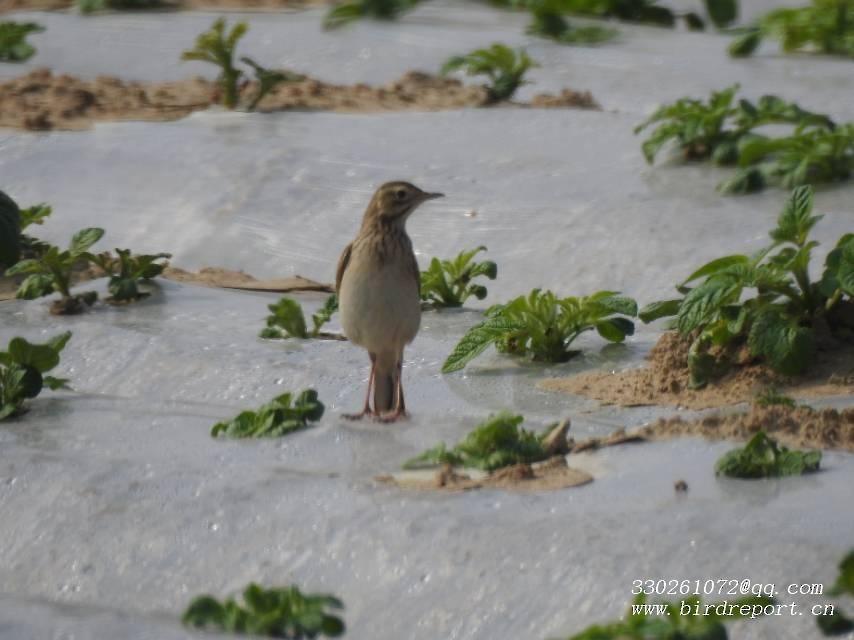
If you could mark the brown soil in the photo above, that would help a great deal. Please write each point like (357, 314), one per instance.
(566, 98)
(664, 380)
(550, 475)
(40, 100)
(206, 277)
(51, 5)
(226, 279)
(801, 427)
(793, 426)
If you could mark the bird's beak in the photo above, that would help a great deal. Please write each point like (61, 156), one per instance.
(433, 196)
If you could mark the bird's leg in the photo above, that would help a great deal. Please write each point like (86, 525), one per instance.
(399, 410)
(366, 410)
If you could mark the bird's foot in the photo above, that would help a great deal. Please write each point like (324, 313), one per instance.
(358, 416)
(391, 416)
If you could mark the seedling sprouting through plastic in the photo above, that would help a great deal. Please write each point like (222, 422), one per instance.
(348, 11)
(281, 416)
(286, 320)
(762, 457)
(51, 272)
(277, 612)
(13, 40)
(777, 322)
(449, 283)
(126, 272)
(543, 326)
(22, 368)
(504, 67)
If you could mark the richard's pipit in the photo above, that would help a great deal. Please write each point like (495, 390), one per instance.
(378, 285)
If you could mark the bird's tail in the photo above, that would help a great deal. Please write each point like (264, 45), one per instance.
(384, 377)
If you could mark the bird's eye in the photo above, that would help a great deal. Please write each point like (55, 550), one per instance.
(400, 194)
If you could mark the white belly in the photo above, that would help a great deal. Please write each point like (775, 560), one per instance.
(379, 307)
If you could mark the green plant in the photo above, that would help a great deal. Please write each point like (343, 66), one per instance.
(13, 40)
(52, 272)
(777, 323)
(497, 442)
(544, 326)
(809, 156)
(687, 619)
(281, 416)
(547, 21)
(91, 6)
(287, 320)
(772, 398)
(267, 80)
(217, 48)
(504, 67)
(22, 368)
(10, 236)
(448, 283)
(126, 271)
(277, 612)
(718, 129)
(351, 10)
(762, 457)
(826, 26)
(720, 12)
(837, 623)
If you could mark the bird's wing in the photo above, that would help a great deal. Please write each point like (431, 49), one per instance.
(343, 261)
(415, 271)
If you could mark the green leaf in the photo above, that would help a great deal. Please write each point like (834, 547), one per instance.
(54, 384)
(787, 346)
(722, 12)
(276, 418)
(745, 44)
(82, 240)
(762, 457)
(661, 309)
(844, 584)
(717, 266)
(324, 314)
(475, 342)
(10, 242)
(795, 221)
(277, 612)
(496, 442)
(24, 266)
(287, 315)
(615, 329)
(13, 44)
(703, 304)
(42, 357)
(35, 286)
(504, 67)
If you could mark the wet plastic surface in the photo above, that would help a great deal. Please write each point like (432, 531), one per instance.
(116, 507)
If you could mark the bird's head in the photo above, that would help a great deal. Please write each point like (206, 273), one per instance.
(394, 201)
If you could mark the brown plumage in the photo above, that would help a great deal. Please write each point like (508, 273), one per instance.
(378, 286)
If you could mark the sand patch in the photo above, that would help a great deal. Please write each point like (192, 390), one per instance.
(550, 475)
(205, 277)
(41, 101)
(228, 279)
(800, 427)
(664, 379)
(212, 5)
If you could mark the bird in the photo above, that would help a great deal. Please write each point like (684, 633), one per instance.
(378, 284)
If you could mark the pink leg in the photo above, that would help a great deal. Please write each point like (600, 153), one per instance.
(399, 410)
(366, 410)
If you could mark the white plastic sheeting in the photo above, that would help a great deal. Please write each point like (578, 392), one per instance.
(116, 507)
